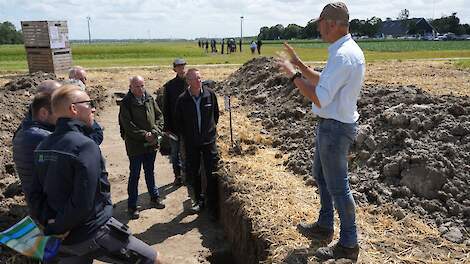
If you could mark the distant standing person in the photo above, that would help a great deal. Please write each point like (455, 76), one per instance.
(334, 93)
(197, 114)
(206, 46)
(253, 47)
(258, 46)
(171, 91)
(139, 117)
(223, 43)
(78, 76)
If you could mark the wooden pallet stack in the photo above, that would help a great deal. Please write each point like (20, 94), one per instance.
(47, 46)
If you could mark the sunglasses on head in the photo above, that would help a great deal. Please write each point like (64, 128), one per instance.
(90, 103)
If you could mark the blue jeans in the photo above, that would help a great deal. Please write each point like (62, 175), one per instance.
(330, 169)
(136, 162)
(175, 157)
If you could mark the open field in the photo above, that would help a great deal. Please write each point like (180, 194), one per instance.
(13, 57)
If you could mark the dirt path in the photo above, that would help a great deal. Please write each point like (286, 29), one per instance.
(177, 235)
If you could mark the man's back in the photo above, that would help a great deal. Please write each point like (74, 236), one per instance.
(172, 90)
(72, 186)
(25, 142)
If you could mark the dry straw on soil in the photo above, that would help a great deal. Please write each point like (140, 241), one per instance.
(276, 201)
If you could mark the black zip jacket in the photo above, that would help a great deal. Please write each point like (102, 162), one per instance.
(187, 119)
(71, 183)
(172, 90)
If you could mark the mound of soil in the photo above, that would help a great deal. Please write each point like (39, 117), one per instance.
(412, 148)
(15, 98)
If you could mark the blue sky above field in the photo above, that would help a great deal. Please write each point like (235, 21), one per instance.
(125, 19)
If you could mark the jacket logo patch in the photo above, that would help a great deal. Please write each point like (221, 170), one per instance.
(208, 105)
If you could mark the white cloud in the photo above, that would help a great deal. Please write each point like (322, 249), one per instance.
(205, 18)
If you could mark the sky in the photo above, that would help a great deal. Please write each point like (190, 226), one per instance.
(189, 19)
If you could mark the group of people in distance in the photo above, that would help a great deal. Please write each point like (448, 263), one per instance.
(64, 179)
(231, 45)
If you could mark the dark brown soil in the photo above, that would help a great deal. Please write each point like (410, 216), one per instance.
(412, 149)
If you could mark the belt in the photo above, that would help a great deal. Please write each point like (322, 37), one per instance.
(323, 119)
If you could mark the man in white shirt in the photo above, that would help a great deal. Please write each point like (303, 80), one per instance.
(334, 93)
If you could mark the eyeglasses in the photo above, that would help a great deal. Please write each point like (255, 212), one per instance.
(90, 103)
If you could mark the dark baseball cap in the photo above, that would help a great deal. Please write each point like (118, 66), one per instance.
(337, 11)
(179, 61)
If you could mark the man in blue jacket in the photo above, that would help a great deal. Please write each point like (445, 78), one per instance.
(71, 191)
(31, 133)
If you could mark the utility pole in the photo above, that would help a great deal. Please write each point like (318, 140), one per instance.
(241, 32)
(88, 18)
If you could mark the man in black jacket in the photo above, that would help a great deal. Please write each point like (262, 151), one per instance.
(71, 191)
(197, 114)
(171, 91)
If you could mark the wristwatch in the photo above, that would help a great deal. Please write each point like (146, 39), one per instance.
(295, 76)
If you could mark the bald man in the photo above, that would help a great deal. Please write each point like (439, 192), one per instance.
(71, 195)
(77, 76)
(140, 121)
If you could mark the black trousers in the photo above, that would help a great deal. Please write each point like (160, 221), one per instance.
(209, 156)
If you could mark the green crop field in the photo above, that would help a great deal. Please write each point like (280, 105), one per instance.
(463, 64)
(13, 57)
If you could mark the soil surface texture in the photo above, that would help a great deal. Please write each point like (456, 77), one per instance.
(412, 147)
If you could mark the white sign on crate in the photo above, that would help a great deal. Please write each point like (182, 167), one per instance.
(57, 40)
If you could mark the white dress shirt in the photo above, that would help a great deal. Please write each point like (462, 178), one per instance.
(340, 81)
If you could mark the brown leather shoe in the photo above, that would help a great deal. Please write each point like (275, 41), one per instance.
(337, 252)
(314, 231)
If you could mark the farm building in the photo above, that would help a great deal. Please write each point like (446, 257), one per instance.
(408, 27)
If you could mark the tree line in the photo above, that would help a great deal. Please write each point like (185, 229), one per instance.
(362, 27)
(9, 34)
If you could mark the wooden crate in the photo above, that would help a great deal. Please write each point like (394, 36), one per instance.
(45, 34)
(49, 60)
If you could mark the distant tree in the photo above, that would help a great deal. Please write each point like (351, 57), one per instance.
(263, 33)
(372, 26)
(276, 32)
(9, 35)
(292, 31)
(310, 30)
(447, 24)
(355, 26)
(465, 29)
(404, 14)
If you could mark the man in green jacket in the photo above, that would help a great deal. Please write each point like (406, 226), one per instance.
(140, 121)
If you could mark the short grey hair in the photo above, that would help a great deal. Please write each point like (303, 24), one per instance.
(47, 86)
(74, 71)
